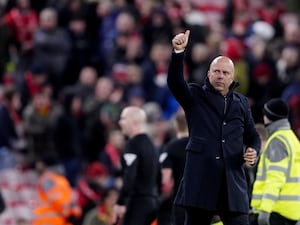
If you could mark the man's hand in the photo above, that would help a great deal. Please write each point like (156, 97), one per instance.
(180, 41)
(119, 212)
(263, 218)
(250, 156)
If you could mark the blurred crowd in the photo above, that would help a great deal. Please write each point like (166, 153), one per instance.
(68, 68)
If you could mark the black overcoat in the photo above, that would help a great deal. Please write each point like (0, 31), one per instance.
(220, 128)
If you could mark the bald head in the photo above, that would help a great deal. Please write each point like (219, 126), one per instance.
(135, 114)
(224, 60)
(221, 74)
(132, 121)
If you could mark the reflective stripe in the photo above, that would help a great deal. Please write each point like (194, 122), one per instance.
(290, 198)
(55, 195)
(47, 215)
(274, 198)
(268, 196)
(271, 197)
(261, 178)
(293, 180)
(288, 179)
(287, 171)
(286, 141)
(278, 168)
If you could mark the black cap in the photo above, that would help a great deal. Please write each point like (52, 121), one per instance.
(276, 109)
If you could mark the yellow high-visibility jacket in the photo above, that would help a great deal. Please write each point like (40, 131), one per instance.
(277, 184)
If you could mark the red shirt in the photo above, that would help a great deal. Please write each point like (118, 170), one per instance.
(23, 25)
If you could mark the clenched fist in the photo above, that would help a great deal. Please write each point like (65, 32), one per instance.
(180, 41)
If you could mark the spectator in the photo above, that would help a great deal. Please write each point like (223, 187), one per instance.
(157, 27)
(69, 137)
(91, 187)
(81, 50)
(85, 86)
(23, 22)
(52, 47)
(9, 118)
(35, 78)
(102, 214)
(291, 94)
(95, 129)
(6, 39)
(40, 120)
(154, 78)
(111, 154)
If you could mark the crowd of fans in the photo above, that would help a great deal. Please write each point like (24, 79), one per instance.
(68, 67)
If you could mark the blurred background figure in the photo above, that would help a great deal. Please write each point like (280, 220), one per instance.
(91, 187)
(173, 161)
(52, 47)
(103, 213)
(23, 22)
(40, 122)
(110, 156)
(56, 201)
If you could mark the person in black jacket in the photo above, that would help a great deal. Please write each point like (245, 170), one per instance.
(138, 199)
(223, 139)
(172, 160)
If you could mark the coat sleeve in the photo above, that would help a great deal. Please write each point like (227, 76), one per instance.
(251, 136)
(176, 83)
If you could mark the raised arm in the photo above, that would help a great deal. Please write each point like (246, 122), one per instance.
(176, 82)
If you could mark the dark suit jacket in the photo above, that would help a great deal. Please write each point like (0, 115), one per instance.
(220, 128)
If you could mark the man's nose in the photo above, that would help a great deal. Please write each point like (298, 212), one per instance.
(221, 76)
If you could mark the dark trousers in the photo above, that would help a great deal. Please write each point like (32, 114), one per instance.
(275, 219)
(141, 211)
(195, 216)
(178, 215)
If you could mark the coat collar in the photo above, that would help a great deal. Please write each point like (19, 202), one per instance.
(207, 86)
(282, 124)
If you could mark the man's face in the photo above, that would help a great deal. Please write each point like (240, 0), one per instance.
(221, 74)
(125, 122)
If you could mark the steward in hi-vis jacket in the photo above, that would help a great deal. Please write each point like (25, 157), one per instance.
(56, 202)
(276, 191)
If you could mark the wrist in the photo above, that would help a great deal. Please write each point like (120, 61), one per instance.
(178, 51)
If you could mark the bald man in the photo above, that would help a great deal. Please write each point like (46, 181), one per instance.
(138, 200)
(222, 140)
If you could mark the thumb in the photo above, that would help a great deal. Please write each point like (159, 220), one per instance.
(250, 149)
(186, 35)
